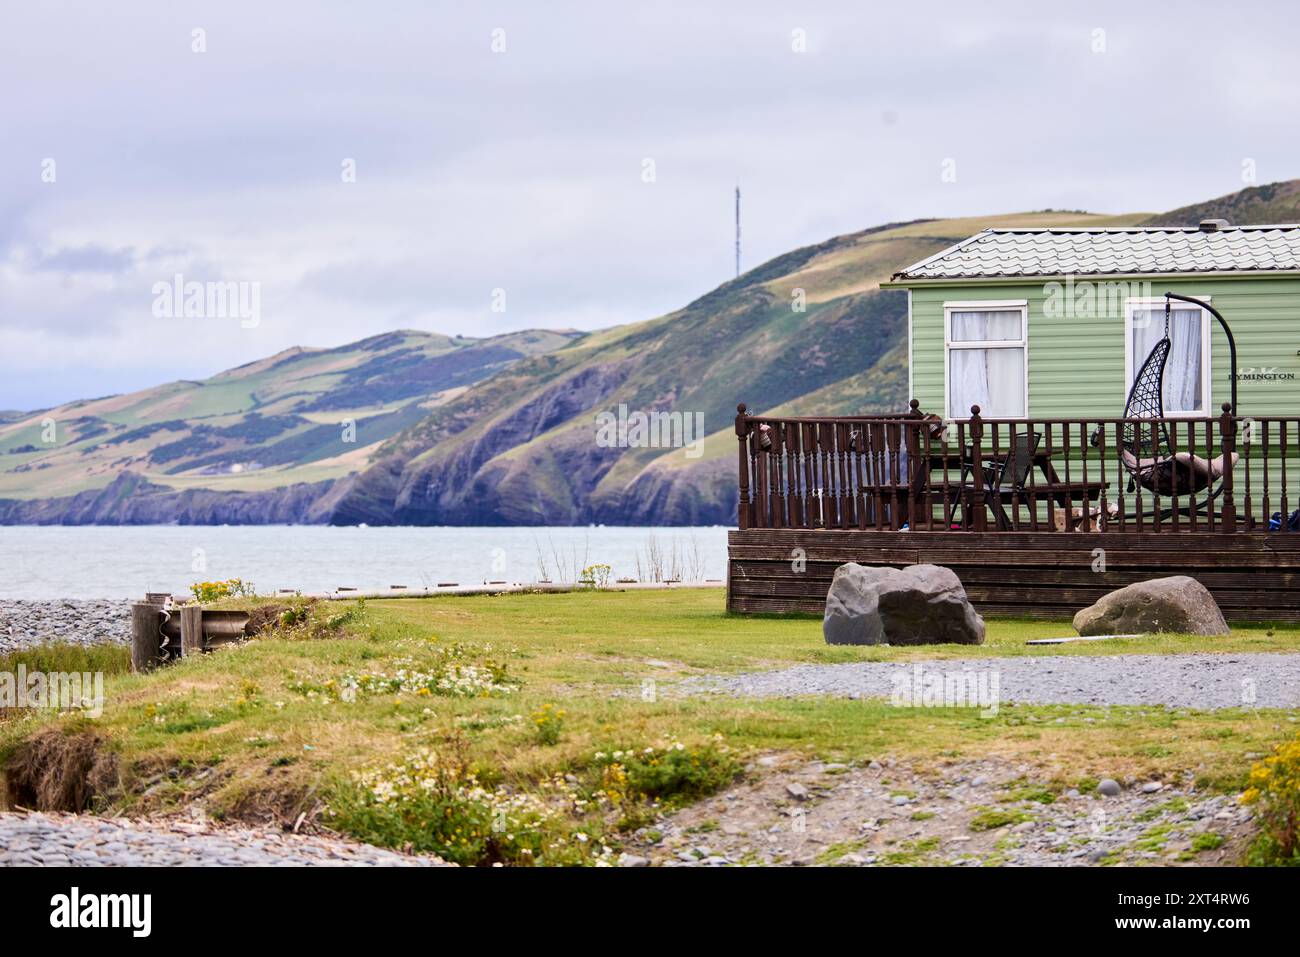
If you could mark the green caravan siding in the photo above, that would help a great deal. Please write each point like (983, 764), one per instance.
(1076, 365)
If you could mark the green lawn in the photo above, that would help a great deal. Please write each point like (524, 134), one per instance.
(266, 729)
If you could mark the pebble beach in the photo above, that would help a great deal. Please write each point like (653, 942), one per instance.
(24, 622)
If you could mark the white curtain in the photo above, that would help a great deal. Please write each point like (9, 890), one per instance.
(986, 326)
(993, 379)
(1182, 392)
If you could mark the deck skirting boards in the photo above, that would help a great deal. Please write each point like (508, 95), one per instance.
(1254, 576)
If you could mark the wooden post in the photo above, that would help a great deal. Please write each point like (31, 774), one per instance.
(191, 617)
(919, 472)
(977, 469)
(1228, 445)
(742, 435)
(146, 636)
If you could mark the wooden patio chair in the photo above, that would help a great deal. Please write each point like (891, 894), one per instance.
(1005, 478)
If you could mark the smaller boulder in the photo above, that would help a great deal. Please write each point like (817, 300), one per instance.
(1177, 604)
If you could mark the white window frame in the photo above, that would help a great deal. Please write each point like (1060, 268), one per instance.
(1157, 303)
(984, 305)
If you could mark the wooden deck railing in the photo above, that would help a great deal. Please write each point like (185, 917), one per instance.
(920, 473)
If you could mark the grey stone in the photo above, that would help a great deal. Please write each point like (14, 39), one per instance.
(797, 791)
(916, 605)
(1176, 604)
(1108, 787)
(632, 860)
(96, 842)
(1151, 787)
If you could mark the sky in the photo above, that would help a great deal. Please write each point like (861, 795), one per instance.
(479, 168)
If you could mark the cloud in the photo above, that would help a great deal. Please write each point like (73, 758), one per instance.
(522, 170)
(90, 258)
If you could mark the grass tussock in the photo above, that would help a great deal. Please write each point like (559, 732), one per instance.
(68, 657)
(61, 769)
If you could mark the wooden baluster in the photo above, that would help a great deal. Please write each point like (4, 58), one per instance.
(1266, 513)
(778, 475)
(1103, 498)
(790, 441)
(1068, 507)
(818, 491)
(1049, 448)
(1228, 444)
(999, 465)
(945, 445)
(1156, 523)
(877, 460)
(922, 481)
(831, 491)
(859, 443)
(902, 488)
(977, 469)
(1172, 431)
(914, 477)
(826, 438)
(963, 458)
(1085, 499)
(808, 455)
(841, 440)
(1031, 477)
(1210, 516)
(1282, 453)
(1121, 474)
(1247, 505)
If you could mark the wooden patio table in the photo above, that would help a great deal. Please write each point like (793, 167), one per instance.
(961, 493)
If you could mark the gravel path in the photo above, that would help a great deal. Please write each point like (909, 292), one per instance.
(25, 623)
(1200, 681)
(70, 839)
(964, 813)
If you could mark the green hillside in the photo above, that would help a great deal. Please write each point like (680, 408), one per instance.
(266, 424)
(1261, 205)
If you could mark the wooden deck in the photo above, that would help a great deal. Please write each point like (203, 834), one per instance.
(897, 490)
(1253, 576)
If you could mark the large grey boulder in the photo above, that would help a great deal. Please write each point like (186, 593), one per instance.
(1178, 604)
(916, 605)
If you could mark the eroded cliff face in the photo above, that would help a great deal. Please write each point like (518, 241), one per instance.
(533, 465)
(521, 492)
(130, 499)
(696, 493)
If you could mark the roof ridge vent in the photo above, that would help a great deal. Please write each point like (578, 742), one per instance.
(1213, 225)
